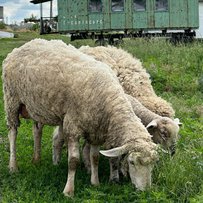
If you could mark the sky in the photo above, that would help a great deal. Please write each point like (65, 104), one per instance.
(16, 10)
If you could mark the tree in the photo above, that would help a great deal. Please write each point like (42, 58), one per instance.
(32, 18)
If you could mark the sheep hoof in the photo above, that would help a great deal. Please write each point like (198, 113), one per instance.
(13, 169)
(69, 194)
(35, 160)
(88, 170)
(114, 181)
(55, 161)
(95, 184)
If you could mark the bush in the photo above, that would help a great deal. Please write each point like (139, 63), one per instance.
(35, 27)
(2, 25)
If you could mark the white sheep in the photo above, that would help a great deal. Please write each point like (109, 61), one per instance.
(132, 76)
(164, 131)
(60, 86)
(135, 81)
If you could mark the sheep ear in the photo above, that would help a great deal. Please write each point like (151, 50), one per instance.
(177, 121)
(115, 152)
(152, 124)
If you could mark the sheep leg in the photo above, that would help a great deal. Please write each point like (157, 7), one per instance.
(13, 122)
(73, 160)
(58, 142)
(37, 132)
(86, 156)
(12, 135)
(114, 172)
(94, 160)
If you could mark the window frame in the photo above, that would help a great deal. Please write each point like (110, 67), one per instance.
(161, 9)
(116, 11)
(95, 11)
(139, 10)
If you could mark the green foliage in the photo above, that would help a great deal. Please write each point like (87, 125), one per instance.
(35, 27)
(176, 73)
(32, 18)
(2, 25)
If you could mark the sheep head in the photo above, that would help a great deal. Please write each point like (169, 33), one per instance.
(138, 163)
(165, 131)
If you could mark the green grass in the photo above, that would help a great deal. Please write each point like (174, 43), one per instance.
(177, 76)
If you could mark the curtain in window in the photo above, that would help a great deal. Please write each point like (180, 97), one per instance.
(139, 5)
(95, 5)
(117, 5)
(161, 5)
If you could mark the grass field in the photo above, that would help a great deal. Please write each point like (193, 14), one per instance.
(177, 76)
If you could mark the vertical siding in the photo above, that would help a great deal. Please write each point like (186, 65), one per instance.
(183, 13)
(128, 14)
(161, 19)
(62, 15)
(193, 13)
(140, 20)
(73, 15)
(200, 30)
(118, 17)
(150, 13)
(174, 9)
(106, 13)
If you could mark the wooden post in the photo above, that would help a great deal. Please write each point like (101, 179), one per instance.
(51, 9)
(41, 20)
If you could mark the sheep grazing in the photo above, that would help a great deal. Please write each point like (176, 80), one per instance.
(60, 86)
(164, 131)
(132, 76)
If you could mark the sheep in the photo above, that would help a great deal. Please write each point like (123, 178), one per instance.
(136, 82)
(132, 76)
(139, 85)
(60, 86)
(164, 131)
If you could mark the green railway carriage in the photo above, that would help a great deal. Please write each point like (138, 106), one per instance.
(122, 18)
(135, 17)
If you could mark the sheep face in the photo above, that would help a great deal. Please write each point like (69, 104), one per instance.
(164, 131)
(139, 170)
(138, 165)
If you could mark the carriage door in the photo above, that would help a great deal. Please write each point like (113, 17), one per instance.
(117, 8)
(178, 14)
(161, 14)
(139, 14)
(95, 10)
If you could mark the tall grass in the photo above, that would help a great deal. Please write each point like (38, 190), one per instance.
(177, 75)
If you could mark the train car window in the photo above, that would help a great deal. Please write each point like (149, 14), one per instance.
(117, 5)
(161, 5)
(95, 5)
(139, 5)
